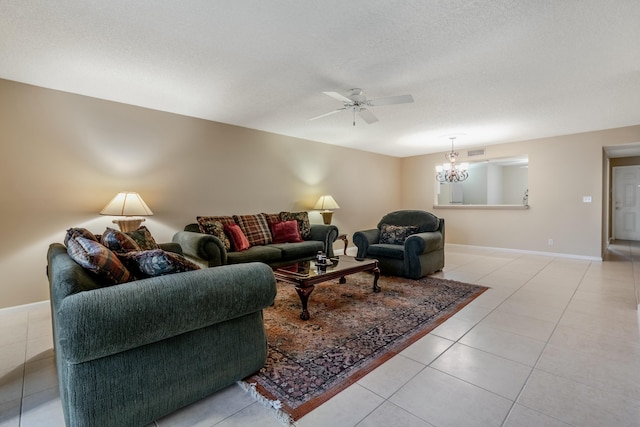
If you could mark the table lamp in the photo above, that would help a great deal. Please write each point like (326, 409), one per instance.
(128, 205)
(325, 203)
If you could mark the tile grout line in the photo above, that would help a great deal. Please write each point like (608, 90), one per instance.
(526, 381)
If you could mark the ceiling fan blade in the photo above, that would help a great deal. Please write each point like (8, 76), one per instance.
(339, 97)
(400, 99)
(367, 116)
(327, 114)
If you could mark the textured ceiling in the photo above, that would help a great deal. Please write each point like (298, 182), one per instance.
(495, 71)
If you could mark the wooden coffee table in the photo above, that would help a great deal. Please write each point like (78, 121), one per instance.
(305, 275)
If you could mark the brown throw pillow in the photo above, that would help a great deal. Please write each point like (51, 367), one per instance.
(99, 260)
(143, 238)
(214, 225)
(144, 264)
(118, 241)
(82, 232)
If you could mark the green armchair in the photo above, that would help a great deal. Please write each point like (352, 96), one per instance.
(417, 255)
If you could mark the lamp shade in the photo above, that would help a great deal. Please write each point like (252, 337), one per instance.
(127, 204)
(326, 202)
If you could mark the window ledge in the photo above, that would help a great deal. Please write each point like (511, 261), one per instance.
(491, 207)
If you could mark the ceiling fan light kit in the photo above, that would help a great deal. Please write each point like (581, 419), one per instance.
(357, 102)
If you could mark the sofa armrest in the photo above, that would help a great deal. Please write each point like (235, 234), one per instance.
(362, 239)
(171, 247)
(325, 233)
(105, 321)
(202, 248)
(421, 243)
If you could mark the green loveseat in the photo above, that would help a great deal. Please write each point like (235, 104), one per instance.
(207, 250)
(131, 353)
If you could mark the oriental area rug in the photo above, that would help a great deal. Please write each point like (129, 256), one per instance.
(352, 330)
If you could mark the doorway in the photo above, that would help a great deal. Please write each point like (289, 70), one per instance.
(626, 202)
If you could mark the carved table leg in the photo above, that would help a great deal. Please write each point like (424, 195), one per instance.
(304, 293)
(344, 238)
(376, 275)
(342, 280)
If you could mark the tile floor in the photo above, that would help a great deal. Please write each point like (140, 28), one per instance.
(554, 342)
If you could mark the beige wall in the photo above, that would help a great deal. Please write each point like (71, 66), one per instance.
(561, 171)
(65, 156)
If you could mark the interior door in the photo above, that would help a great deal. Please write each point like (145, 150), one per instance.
(626, 217)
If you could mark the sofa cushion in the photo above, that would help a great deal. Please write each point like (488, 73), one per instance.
(99, 260)
(255, 228)
(156, 262)
(143, 238)
(396, 234)
(285, 232)
(302, 250)
(214, 225)
(267, 254)
(384, 250)
(303, 222)
(239, 241)
(118, 241)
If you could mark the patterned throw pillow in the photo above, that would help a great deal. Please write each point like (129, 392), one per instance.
(156, 262)
(255, 228)
(396, 234)
(303, 222)
(214, 225)
(118, 241)
(271, 219)
(143, 238)
(81, 232)
(286, 232)
(99, 260)
(239, 241)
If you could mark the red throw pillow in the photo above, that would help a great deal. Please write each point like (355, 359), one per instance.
(285, 232)
(239, 241)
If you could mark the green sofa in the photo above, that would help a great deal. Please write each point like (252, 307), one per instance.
(207, 250)
(131, 353)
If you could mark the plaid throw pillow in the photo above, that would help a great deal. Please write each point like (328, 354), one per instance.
(99, 260)
(255, 228)
(303, 222)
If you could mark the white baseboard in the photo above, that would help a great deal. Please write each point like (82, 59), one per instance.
(25, 307)
(521, 251)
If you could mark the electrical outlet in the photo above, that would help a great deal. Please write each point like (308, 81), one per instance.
(550, 242)
(586, 199)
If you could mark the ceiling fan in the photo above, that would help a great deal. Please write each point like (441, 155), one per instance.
(357, 102)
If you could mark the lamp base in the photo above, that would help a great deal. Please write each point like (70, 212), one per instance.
(128, 224)
(326, 216)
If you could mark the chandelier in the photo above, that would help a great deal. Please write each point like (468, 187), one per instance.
(451, 172)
